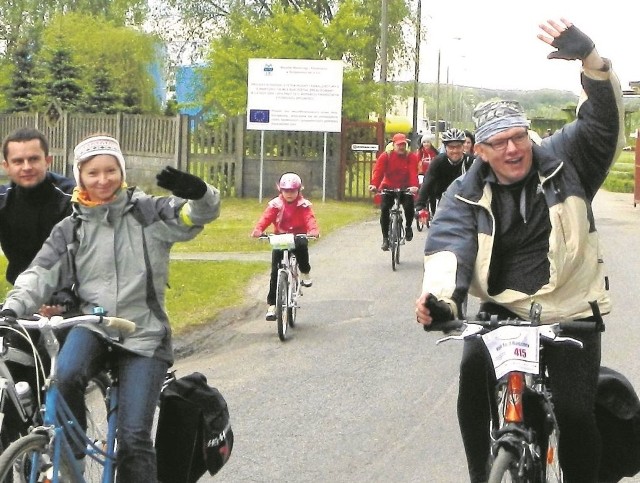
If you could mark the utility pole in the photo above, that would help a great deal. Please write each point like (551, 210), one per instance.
(384, 27)
(416, 83)
(438, 103)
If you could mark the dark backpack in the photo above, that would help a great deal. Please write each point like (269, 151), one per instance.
(618, 416)
(194, 431)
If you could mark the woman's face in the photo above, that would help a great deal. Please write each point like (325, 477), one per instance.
(101, 177)
(467, 146)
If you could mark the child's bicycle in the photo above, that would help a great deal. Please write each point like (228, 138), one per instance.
(45, 454)
(288, 288)
(524, 430)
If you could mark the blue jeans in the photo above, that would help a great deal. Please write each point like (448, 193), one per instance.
(83, 355)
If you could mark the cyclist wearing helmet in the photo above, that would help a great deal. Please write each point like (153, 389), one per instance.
(427, 152)
(444, 169)
(290, 212)
(396, 170)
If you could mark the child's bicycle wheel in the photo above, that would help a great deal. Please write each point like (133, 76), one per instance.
(292, 309)
(282, 305)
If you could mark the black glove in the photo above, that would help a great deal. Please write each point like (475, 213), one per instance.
(181, 184)
(440, 311)
(9, 317)
(571, 44)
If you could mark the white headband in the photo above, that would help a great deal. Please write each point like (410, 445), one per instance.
(93, 146)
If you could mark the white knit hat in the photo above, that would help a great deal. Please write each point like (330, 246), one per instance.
(93, 146)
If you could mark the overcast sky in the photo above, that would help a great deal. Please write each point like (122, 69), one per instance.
(493, 43)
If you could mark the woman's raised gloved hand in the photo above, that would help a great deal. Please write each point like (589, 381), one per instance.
(181, 184)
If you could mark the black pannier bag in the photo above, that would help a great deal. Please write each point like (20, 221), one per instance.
(194, 432)
(618, 416)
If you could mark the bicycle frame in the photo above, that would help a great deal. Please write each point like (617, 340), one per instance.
(512, 424)
(63, 429)
(396, 232)
(50, 446)
(288, 287)
(524, 434)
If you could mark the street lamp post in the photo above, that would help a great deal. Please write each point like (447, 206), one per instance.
(384, 26)
(417, 70)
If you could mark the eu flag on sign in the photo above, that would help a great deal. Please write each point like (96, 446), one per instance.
(258, 115)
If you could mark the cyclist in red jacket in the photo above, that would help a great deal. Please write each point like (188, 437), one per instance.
(290, 212)
(396, 170)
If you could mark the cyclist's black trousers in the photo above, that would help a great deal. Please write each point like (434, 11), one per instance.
(385, 207)
(302, 255)
(574, 375)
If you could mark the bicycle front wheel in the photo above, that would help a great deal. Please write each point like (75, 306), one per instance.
(553, 472)
(505, 468)
(400, 238)
(282, 304)
(292, 309)
(96, 406)
(394, 240)
(25, 460)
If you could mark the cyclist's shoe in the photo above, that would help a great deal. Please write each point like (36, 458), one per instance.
(385, 244)
(305, 280)
(409, 234)
(271, 313)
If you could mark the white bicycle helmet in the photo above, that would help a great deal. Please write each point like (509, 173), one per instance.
(453, 135)
(290, 181)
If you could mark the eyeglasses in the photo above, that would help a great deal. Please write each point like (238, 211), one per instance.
(518, 140)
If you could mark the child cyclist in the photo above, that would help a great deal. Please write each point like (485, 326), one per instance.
(290, 212)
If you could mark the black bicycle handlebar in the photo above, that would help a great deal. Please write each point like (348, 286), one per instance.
(566, 327)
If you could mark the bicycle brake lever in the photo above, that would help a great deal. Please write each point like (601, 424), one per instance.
(469, 330)
(571, 340)
(549, 332)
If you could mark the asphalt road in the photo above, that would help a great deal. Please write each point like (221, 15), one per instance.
(361, 393)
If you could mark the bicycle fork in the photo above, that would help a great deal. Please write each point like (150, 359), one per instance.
(515, 434)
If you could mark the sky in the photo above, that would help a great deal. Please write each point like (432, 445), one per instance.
(493, 43)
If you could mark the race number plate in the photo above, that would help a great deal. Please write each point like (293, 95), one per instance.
(514, 349)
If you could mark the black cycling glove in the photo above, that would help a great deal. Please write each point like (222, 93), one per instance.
(181, 184)
(9, 317)
(440, 311)
(571, 44)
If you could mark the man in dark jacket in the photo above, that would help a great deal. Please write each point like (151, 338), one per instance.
(519, 227)
(34, 200)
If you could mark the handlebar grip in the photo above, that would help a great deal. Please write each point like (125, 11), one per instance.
(123, 325)
(447, 326)
(578, 327)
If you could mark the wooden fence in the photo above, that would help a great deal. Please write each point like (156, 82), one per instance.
(225, 154)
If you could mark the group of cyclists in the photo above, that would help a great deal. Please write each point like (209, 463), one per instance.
(425, 173)
(517, 226)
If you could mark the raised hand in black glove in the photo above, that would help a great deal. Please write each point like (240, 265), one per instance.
(439, 310)
(181, 184)
(571, 44)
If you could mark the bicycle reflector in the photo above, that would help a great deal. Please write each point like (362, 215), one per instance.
(513, 412)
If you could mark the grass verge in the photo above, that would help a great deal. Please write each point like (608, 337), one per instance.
(200, 290)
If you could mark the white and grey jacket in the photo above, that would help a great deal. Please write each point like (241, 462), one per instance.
(117, 254)
(571, 166)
